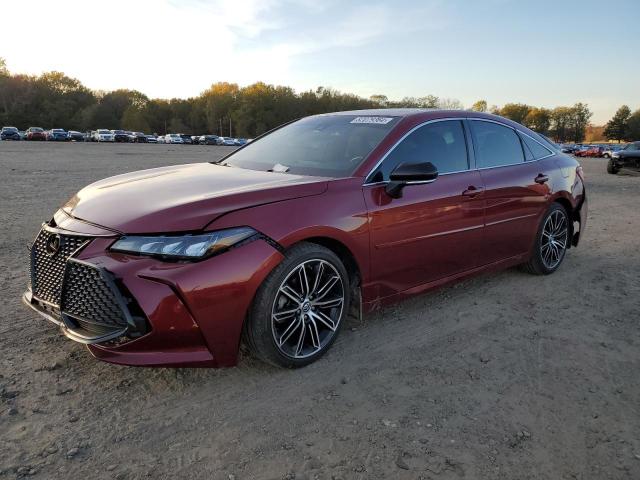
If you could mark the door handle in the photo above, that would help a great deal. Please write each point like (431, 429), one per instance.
(472, 191)
(541, 179)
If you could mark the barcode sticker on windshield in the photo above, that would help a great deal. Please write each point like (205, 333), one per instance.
(377, 120)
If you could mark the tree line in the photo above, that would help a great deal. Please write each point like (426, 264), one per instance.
(56, 100)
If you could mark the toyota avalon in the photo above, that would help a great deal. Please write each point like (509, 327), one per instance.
(275, 244)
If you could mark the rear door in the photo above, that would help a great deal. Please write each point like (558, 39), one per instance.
(516, 191)
(433, 230)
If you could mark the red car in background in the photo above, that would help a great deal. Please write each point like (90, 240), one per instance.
(590, 151)
(277, 242)
(36, 133)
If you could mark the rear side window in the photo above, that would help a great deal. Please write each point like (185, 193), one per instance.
(495, 145)
(533, 149)
(441, 143)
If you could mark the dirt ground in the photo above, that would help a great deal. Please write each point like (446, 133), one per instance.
(505, 376)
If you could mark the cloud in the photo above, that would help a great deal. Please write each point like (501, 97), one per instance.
(178, 47)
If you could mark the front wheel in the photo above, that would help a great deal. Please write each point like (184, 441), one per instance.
(551, 243)
(300, 307)
(612, 168)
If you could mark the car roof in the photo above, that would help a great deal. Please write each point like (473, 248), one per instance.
(424, 114)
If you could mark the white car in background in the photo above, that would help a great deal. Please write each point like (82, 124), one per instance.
(173, 138)
(227, 141)
(151, 139)
(103, 135)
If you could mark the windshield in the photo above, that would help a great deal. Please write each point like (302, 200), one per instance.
(10, 129)
(36, 129)
(104, 131)
(324, 145)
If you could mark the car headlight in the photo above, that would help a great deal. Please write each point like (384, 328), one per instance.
(615, 155)
(183, 247)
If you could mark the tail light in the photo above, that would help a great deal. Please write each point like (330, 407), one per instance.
(580, 172)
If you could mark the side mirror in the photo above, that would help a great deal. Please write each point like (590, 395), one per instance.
(410, 174)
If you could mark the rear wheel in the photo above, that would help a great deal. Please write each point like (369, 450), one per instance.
(300, 307)
(612, 168)
(552, 241)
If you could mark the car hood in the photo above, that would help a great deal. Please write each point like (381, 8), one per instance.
(182, 197)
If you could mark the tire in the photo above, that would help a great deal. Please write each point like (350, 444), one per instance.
(289, 324)
(612, 167)
(552, 241)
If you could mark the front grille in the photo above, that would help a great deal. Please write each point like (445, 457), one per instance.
(47, 270)
(90, 297)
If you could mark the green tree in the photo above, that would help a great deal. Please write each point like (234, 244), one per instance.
(580, 116)
(633, 127)
(538, 119)
(560, 123)
(515, 111)
(480, 106)
(616, 128)
(381, 100)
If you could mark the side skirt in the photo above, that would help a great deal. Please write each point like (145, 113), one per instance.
(378, 303)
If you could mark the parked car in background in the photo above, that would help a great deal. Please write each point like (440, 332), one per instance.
(36, 133)
(103, 135)
(240, 141)
(162, 139)
(23, 134)
(57, 135)
(626, 157)
(276, 242)
(151, 139)
(226, 141)
(173, 138)
(137, 137)
(609, 150)
(10, 133)
(568, 148)
(581, 151)
(595, 151)
(186, 138)
(209, 140)
(120, 136)
(75, 136)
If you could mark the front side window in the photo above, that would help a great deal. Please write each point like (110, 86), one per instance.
(324, 145)
(495, 145)
(441, 143)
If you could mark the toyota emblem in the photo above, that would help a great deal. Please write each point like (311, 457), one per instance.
(53, 245)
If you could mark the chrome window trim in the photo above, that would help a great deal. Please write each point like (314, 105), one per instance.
(516, 131)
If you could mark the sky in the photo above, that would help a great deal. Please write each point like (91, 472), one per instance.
(544, 53)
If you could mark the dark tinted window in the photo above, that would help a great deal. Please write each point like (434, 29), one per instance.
(496, 145)
(324, 145)
(441, 143)
(537, 150)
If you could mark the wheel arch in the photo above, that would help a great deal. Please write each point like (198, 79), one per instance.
(348, 258)
(571, 213)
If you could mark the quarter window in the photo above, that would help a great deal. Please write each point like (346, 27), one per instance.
(537, 151)
(496, 145)
(441, 143)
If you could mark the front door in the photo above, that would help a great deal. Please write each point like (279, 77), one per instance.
(433, 230)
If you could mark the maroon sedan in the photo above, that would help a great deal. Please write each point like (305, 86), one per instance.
(277, 242)
(36, 133)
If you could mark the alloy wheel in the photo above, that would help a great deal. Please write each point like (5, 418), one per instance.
(555, 234)
(307, 309)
